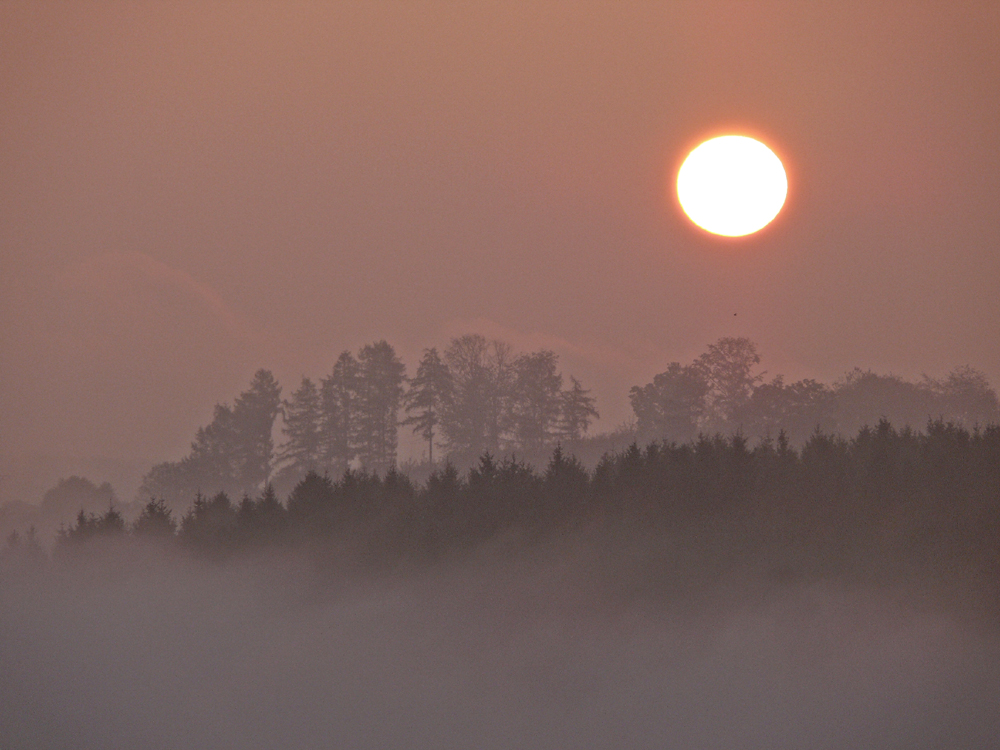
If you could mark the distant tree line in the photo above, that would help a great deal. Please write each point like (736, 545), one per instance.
(480, 396)
(722, 392)
(881, 504)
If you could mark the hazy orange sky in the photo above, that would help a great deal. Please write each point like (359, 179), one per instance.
(193, 191)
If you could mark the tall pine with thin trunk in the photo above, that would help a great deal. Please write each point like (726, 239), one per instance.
(339, 415)
(381, 375)
(301, 427)
(429, 392)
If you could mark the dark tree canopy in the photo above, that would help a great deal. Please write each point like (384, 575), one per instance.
(673, 405)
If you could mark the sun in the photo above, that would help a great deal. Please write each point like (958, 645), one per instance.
(732, 185)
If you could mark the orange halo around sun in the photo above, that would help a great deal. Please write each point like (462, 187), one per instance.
(732, 185)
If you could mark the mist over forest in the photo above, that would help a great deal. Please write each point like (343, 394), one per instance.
(403, 375)
(480, 396)
(749, 563)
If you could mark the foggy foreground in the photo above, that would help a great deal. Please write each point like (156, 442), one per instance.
(585, 641)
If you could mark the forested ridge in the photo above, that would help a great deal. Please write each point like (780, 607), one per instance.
(883, 506)
(480, 395)
(795, 477)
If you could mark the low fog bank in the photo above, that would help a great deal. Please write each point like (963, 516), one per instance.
(580, 642)
(705, 595)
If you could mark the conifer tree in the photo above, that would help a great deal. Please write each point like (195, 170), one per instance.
(427, 396)
(253, 421)
(381, 376)
(578, 410)
(338, 415)
(301, 428)
(155, 521)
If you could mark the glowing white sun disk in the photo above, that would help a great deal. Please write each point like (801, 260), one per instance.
(732, 185)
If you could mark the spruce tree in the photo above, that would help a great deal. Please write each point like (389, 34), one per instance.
(427, 396)
(338, 415)
(300, 453)
(381, 376)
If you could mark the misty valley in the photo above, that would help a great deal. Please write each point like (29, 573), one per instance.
(741, 571)
(439, 375)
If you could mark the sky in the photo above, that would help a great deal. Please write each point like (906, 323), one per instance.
(192, 191)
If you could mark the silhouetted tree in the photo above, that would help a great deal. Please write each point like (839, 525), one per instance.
(89, 526)
(214, 461)
(156, 521)
(501, 494)
(233, 453)
(429, 393)
(270, 516)
(301, 451)
(440, 523)
(339, 414)
(253, 420)
(577, 410)
(477, 418)
(964, 396)
(537, 400)
(210, 524)
(380, 391)
(862, 397)
(728, 368)
(797, 409)
(310, 506)
(672, 405)
(75, 493)
(565, 486)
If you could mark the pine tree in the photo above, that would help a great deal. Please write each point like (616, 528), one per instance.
(578, 410)
(338, 415)
(380, 392)
(155, 521)
(427, 396)
(253, 420)
(301, 428)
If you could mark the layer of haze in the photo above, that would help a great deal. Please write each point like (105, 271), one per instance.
(193, 191)
(557, 648)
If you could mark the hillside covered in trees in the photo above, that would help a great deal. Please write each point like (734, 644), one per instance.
(827, 559)
(481, 396)
(882, 507)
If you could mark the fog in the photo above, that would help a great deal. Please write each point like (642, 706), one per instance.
(581, 642)
(300, 305)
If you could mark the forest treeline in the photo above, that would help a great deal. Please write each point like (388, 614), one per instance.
(479, 395)
(476, 396)
(885, 503)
